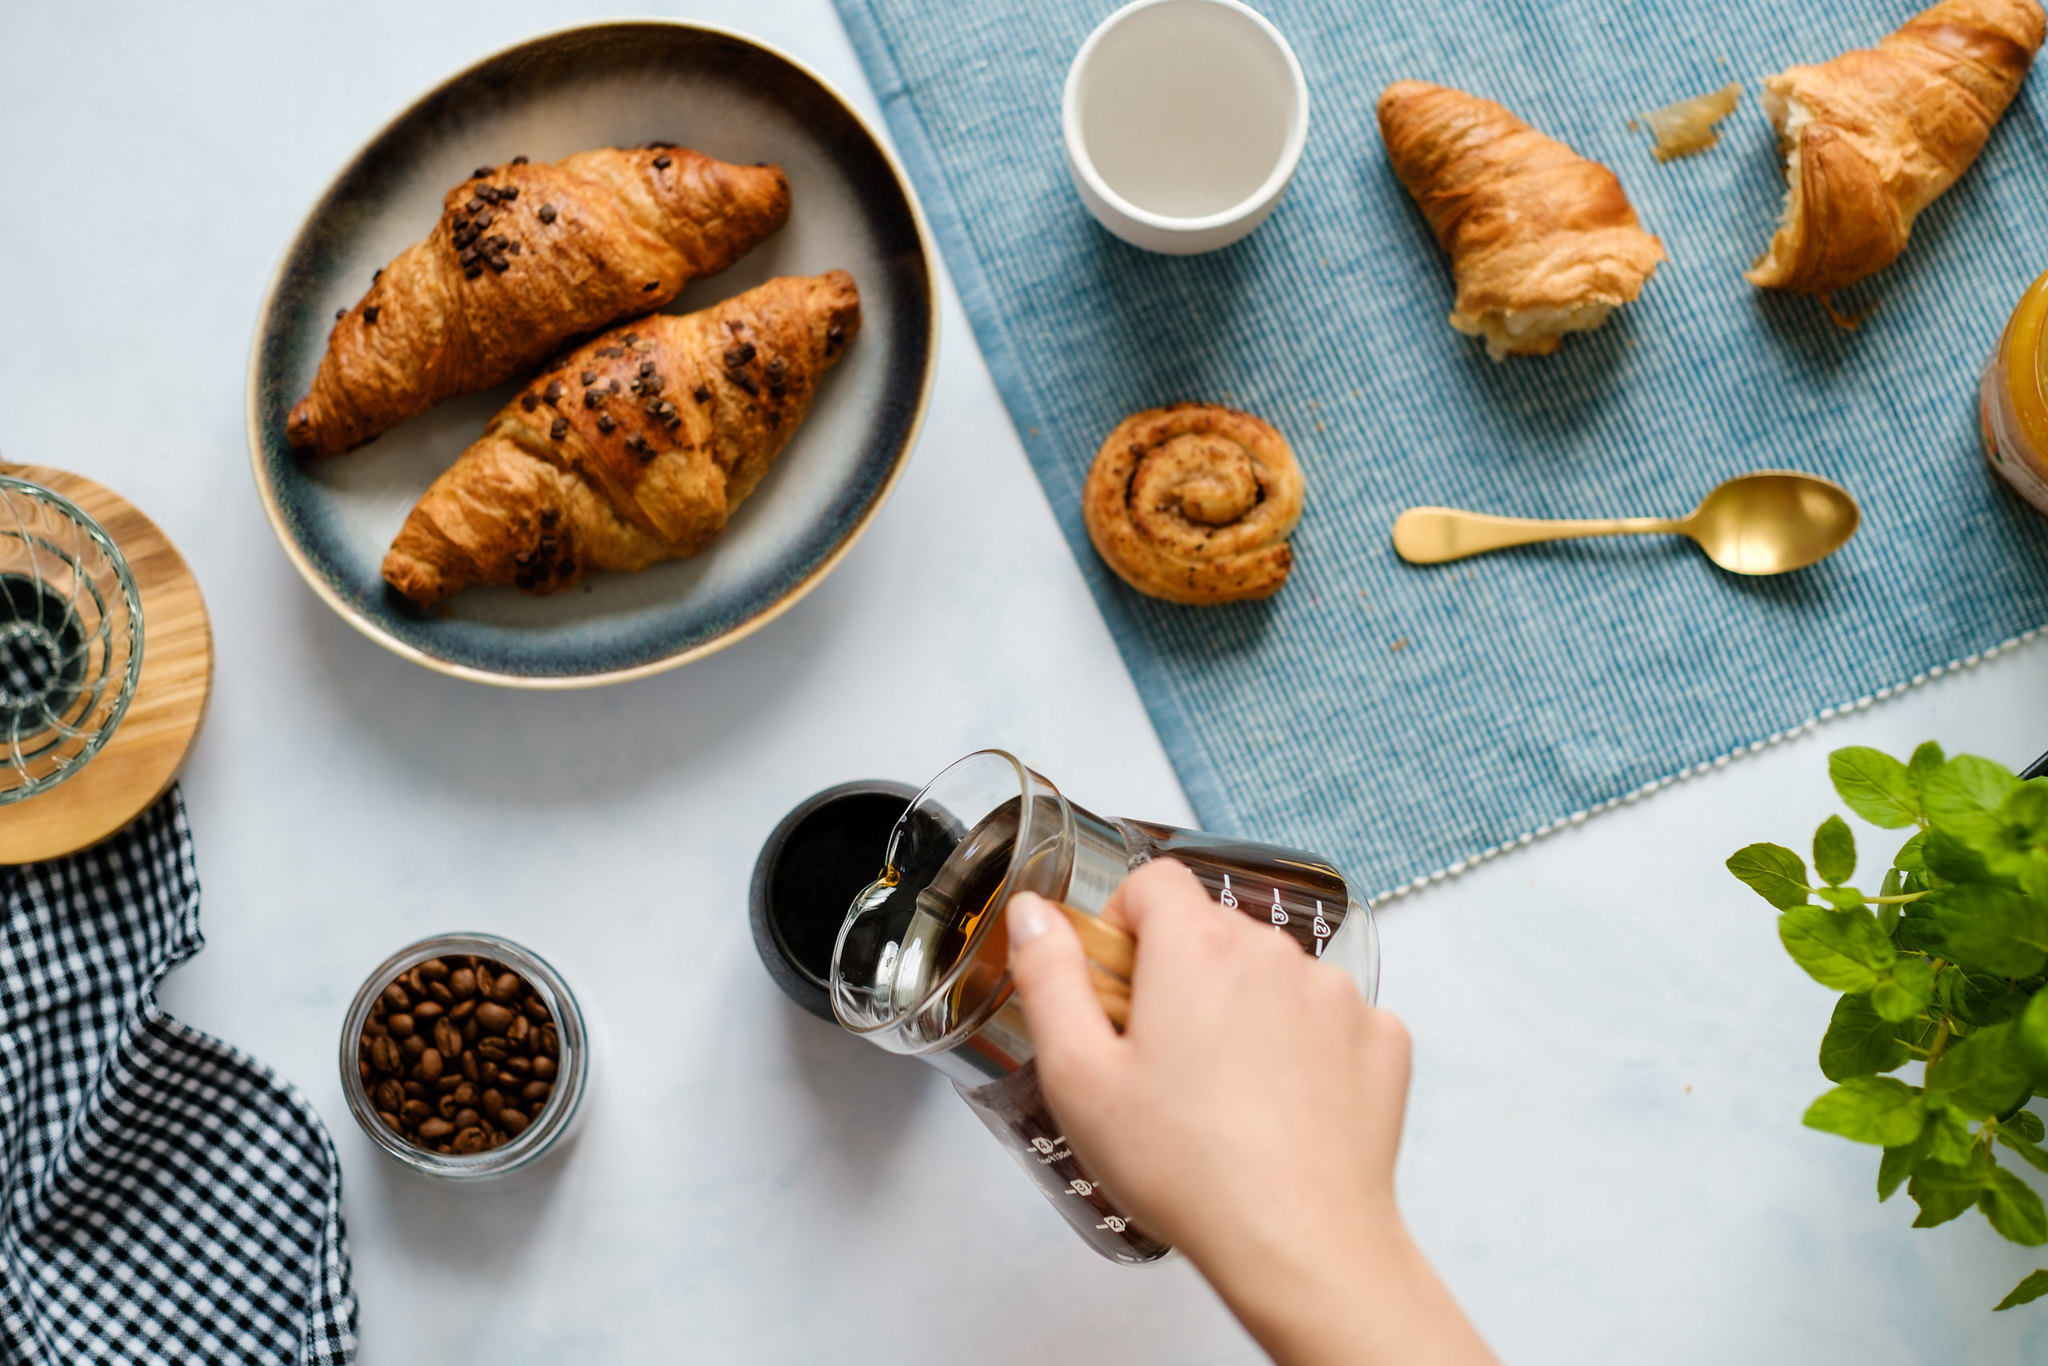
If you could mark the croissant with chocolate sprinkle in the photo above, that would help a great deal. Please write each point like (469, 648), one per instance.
(524, 257)
(632, 449)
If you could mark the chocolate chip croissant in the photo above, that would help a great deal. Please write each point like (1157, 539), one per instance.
(526, 256)
(633, 448)
(1542, 241)
(1194, 503)
(1873, 137)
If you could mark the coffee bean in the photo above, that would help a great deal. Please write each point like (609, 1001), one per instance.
(460, 1053)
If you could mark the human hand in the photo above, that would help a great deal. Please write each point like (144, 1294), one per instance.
(1249, 1114)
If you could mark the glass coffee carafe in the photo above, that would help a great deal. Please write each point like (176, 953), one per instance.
(921, 963)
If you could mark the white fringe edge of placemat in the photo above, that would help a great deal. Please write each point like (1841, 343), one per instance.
(1813, 722)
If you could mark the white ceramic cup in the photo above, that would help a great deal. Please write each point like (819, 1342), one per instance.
(1184, 121)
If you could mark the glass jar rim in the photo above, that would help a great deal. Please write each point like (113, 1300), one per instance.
(564, 1105)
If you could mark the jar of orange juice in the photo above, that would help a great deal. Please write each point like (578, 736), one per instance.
(2014, 405)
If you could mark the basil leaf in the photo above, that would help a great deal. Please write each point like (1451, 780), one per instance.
(2013, 1209)
(1908, 990)
(1962, 797)
(1899, 1163)
(1944, 1191)
(1918, 931)
(2028, 1125)
(1834, 851)
(1978, 998)
(1926, 759)
(2025, 1147)
(1909, 858)
(1981, 1075)
(1880, 1110)
(1845, 950)
(1841, 898)
(1859, 1042)
(1991, 929)
(1951, 860)
(2032, 1036)
(1774, 872)
(2027, 1291)
(1875, 786)
(1949, 1139)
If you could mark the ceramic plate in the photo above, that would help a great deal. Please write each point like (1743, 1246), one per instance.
(619, 85)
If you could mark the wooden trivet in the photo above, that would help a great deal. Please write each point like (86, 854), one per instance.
(119, 783)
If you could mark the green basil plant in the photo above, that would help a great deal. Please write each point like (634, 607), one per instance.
(1943, 965)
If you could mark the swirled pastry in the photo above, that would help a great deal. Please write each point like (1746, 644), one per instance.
(1194, 503)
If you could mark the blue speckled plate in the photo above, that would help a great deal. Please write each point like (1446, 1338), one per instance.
(616, 84)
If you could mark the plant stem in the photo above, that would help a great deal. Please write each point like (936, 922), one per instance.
(1940, 1042)
(1898, 900)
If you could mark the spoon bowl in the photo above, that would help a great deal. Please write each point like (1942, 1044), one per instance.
(1773, 522)
(1769, 522)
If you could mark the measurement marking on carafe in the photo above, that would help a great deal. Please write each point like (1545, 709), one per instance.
(1082, 1188)
(1322, 929)
(1229, 898)
(1279, 911)
(1050, 1150)
(1114, 1223)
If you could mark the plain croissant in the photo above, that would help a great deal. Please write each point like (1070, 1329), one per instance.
(526, 256)
(1542, 241)
(1873, 137)
(633, 448)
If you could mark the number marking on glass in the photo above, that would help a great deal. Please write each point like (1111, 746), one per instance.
(1113, 1223)
(1279, 911)
(1322, 929)
(1081, 1188)
(1229, 897)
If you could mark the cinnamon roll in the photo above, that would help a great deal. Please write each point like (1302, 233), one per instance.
(1194, 503)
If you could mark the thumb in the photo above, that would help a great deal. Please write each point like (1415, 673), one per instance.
(1068, 1026)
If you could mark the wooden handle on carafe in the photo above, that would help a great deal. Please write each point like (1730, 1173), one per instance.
(1112, 956)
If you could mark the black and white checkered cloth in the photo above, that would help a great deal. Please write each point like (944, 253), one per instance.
(164, 1198)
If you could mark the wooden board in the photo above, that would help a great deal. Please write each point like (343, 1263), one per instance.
(119, 783)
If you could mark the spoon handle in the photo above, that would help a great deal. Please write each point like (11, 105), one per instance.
(1434, 535)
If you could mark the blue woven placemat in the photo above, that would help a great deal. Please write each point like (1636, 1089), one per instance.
(1405, 720)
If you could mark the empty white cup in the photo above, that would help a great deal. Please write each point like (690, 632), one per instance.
(1184, 121)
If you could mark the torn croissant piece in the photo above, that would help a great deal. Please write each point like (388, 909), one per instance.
(633, 448)
(1542, 241)
(526, 256)
(1194, 503)
(1873, 137)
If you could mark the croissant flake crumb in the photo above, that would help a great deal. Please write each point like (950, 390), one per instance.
(1691, 125)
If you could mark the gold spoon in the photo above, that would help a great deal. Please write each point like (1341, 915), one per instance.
(1763, 523)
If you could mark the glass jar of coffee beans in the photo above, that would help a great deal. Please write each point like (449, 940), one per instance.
(464, 1056)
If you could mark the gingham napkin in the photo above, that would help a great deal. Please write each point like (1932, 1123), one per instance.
(164, 1197)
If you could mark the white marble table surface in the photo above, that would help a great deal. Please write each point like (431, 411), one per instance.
(1612, 1052)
